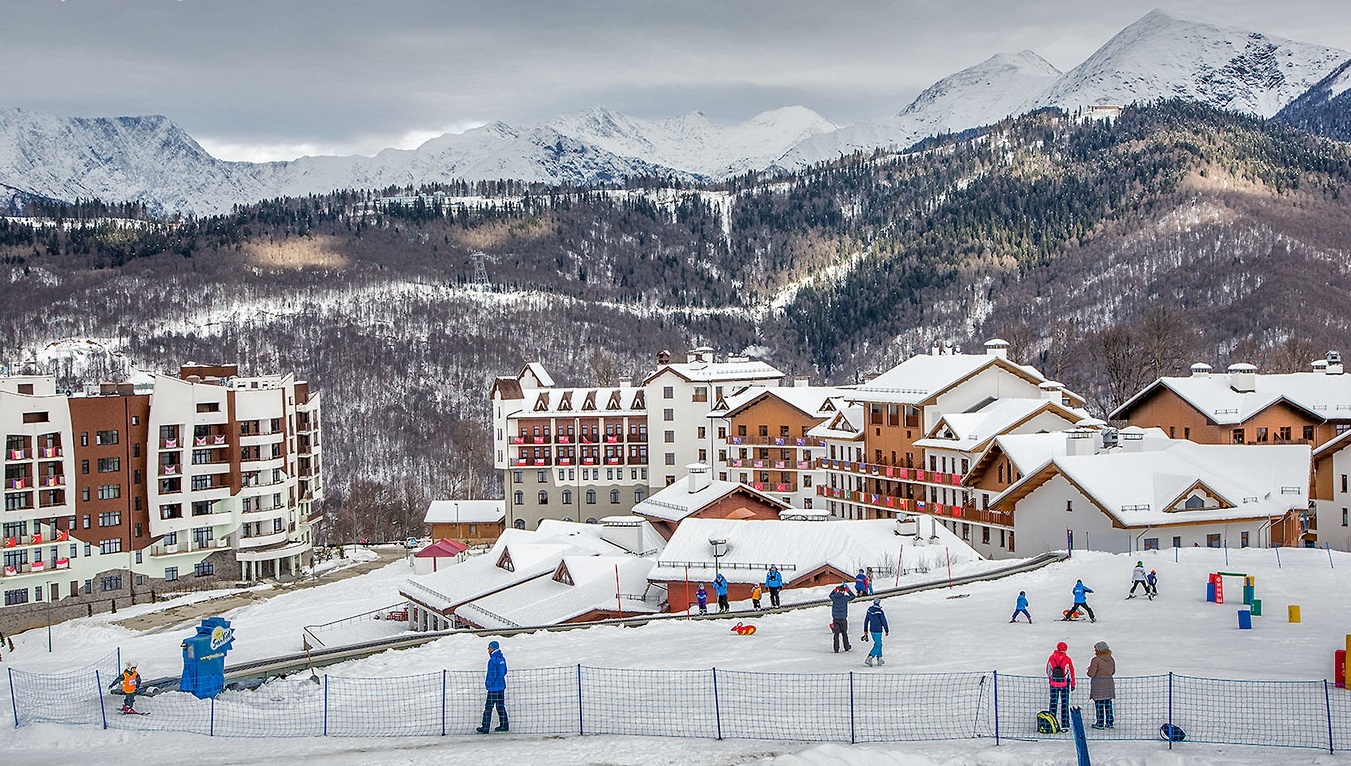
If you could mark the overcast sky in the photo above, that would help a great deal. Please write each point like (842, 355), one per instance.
(275, 79)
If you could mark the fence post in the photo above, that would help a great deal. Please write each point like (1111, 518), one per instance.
(211, 729)
(1327, 704)
(580, 718)
(15, 701)
(325, 704)
(717, 709)
(103, 709)
(853, 734)
(996, 708)
(444, 673)
(1170, 710)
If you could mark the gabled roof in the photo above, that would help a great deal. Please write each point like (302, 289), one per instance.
(814, 402)
(537, 370)
(845, 425)
(971, 431)
(577, 586)
(442, 549)
(1137, 489)
(714, 372)
(798, 548)
(625, 400)
(1321, 396)
(676, 502)
(506, 388)
(465, 512)
(924, 377)
(1332, 446)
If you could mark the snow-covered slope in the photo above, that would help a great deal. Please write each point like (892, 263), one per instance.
(1325, 108)
(1161, 56)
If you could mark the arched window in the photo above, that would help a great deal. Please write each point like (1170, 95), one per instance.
(592, 520)
(567, 497)
(519, 523)
(519, 497)
(567, 519)
(544, 497)
(614, 496)
(639, 495)
(591, 497)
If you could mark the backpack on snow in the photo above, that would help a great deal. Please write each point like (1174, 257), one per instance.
(1047, 723)
(1172, 732)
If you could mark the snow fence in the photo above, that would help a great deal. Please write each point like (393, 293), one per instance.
(865, 706)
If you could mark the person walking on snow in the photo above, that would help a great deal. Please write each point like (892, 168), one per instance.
(720, 587)
(839, 615)
(1152, 584)
(1021, 608)
(130, 682)
(496, 684)
(861, 583)
(1060, 677)
(1081, 592)
(773, 584)
(755, 597)
(875, 624)
(1102, 689)
(1138, 578)
(701, 596)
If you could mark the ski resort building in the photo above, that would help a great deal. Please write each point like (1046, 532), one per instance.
(123, 490)
(1331, 522)
(475, 522)
(909, 436)
(698, 495)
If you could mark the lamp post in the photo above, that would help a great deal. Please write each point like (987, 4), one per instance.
(719, 550)
(48, 588)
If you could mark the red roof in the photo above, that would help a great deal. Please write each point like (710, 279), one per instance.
(442, 549)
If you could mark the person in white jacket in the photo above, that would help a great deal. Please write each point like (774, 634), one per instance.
(1138, 579)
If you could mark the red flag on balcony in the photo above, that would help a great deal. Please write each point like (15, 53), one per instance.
(37, 538)
(10, 542)
(62, 535)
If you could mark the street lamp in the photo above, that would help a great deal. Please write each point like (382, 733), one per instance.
(719, 550)
(48, 588)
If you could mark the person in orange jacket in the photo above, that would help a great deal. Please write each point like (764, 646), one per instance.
(130, 684)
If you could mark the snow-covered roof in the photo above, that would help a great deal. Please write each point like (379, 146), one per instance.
(969, 430)
(614, 400)
(925, 376)
(1147, 487)
(551, 600)
(799, 548)
(813, 401)
(1323, 396)
(846, 425)
(442, 549)
(676, 501)
(711, 372)
(536, 369)
(465, 512)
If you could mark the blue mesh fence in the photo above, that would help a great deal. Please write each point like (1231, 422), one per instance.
(863, 706)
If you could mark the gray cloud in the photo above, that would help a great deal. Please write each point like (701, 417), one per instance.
(279, 77)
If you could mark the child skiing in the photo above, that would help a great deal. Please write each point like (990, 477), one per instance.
(875, 624)
(1080, 602)
(755, 597)
(130, 684)
(1152, 584)
(1021, 608)
(701, 596)
(1138, 579)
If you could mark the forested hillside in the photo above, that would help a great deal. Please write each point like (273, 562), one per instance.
(1107, 253)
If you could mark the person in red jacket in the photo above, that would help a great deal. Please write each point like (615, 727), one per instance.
(1060, 675)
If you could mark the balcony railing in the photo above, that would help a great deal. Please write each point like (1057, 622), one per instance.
(898, 473)
(777, 441)
(49, 452)
(913, 505)
(16, 454)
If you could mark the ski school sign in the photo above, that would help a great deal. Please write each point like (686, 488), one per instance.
(204, 658)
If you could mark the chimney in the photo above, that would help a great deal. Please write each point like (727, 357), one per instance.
(1200, 370)
(626, 382)
(663, 358)
(801, 381)
(1081, 441)
(1051, 391)
(700, 477)
(126, 389)
(1243, 378)
(623, 531)
(107, 389)
(933, 350)
(997, 347)
(1334, 363)
(1132, 439)
(1320, 365)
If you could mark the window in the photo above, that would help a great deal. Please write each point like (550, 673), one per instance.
(84, 466)
(1343, 482)
(639, 495)
(702, 432)
(544, 497)
(1261, 435)
(703, 456)
(668, 437)
(112, 582)
(1344, 517)
(110, 546)
(591, 497)
(200, 483)
(519, 523)
(110, 519)
(614, 497)
(208, 406)
(700, 394)
(1069, 506)
(985, 535)
(201, 456)
(1243, 539)
(1308, 433)
(1151, 543)
(15, 597)
(25, 388)
(519, 498)
(668, 414)
(567, 497)
(170, 574)
(105, 437)
(1177, 541)
(517, 477)
(670, 458)
(110, 491)
(1236, 437)
(35, 417)
(109, 464)
(1213, 540)
(542, 476)
(204, 569)
(668, 392)
(277, 525)
(1285, 433)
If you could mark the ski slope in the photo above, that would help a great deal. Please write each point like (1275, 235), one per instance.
(931, 632)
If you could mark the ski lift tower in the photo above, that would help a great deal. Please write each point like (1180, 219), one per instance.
(480, 272)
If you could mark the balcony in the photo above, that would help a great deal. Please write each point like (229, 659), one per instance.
(776, 441)
(49, 452)
(897, 473)
(53, 481)
(171, 469)
(210, 441)
(22, 482)
(16, 454)
(638, 438)
(914, 505)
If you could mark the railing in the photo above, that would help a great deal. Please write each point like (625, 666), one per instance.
(896, 473)
(913, 505)
(776, 441)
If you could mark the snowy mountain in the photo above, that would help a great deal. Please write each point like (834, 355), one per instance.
(1325, 108)
(1161, 56)
(152, 160)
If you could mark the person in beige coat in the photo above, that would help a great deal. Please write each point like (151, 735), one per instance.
(1102, 689)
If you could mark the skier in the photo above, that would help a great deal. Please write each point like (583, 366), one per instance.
(839, 615)
(1152, 584)
(1080, 601)
(496, 684)
(1060, 677)
(875, 624)
(861, 583)
(773, 583)
(720, 587)
(1138, 579)
(755, 597)
(130, 684)
(1021, 608)
(701, 596)
(1102, 688)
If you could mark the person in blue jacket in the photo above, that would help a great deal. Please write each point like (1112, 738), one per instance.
(720, 587)
(496, 684)
(861, 583)
(839, 615)
(1081, 592)
(1021, 607)
(875, 624)
(701, 595)
(773, 584)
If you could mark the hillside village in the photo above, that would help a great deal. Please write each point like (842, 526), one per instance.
(619, 500)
